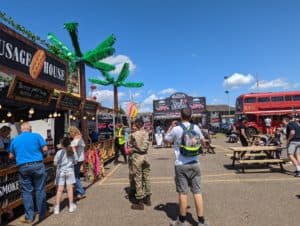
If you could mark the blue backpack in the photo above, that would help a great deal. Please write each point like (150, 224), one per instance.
(190, 142)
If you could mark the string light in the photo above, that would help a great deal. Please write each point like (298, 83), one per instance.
(58, 114)
(54, 114)
(31, 111)
(50, 116)
(21, 120)
(93, 118)
(3, 121)
(0, 106)
(9, 114)
(84, 117)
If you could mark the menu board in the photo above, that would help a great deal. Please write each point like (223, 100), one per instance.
(25, 91)
(170, 107)
(68, 101)
(90, 106)
(105, 126)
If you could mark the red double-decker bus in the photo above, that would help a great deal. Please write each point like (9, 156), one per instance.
(257, 106)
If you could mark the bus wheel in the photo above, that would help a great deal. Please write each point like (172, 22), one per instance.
(251, 131)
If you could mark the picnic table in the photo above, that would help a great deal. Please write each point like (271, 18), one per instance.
(257, 155)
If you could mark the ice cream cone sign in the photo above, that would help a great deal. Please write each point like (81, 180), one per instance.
(132, 110)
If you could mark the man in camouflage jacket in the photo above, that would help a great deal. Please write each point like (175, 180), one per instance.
(139, 145)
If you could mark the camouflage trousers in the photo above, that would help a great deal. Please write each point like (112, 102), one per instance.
(131, 174)
(141, 171)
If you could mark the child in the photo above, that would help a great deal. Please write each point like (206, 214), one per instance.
(65, 159)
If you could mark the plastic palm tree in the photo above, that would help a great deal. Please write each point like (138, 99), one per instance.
(118, 82)
(91, 58)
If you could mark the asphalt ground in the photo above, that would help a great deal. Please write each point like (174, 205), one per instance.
(263, 196)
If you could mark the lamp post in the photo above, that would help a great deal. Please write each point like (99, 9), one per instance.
(227, 92)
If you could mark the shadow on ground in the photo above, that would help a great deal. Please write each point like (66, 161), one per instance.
(172, 209)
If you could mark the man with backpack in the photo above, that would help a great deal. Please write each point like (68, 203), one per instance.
(293, 142)
(187, 139)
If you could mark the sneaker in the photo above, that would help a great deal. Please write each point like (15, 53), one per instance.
(56, 209)
(297, 174)
(178, 223)
(72, 208)
(24, 220)
(81, 196)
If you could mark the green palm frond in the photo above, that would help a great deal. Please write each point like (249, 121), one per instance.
(98, 54)
(123, 74)
(132, 84)
(107, 42)
(100, 82)
(72, 28)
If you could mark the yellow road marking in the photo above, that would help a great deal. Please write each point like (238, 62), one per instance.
(215, 181)
(170, 178)
(109, 175)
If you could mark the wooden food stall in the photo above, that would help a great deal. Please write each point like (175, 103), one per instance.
(29, 74)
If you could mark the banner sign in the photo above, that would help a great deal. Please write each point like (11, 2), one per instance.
(170, 107)
(25, 91)
(67, 101)
(27, 60)
(90, 106)
(105, 126)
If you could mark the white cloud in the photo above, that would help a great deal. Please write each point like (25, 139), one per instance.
(118, 61)
(147, 104)
(149, 100)
(167, 91)
(236, 80)
(278, 83)
(106, 97)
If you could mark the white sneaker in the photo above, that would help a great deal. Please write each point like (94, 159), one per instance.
(72, 208)
(56, 209)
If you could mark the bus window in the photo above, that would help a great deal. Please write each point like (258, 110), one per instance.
(296, 98)
(276, 99)
(288, 98)
(239, 106)
(263, 99)
(250, 100)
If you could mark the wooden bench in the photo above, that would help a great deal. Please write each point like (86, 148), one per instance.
(247, 155)
(263, 161)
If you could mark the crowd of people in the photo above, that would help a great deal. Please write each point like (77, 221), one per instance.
(28, 148)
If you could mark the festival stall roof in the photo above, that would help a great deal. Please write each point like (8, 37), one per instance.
(169, 108)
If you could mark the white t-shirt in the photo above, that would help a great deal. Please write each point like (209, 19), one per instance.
(64, 162)
(175, 136)
(268, 121)
(79, 146)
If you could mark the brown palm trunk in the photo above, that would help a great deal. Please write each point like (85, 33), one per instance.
(116, 103)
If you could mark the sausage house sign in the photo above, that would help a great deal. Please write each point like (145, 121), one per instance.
(23, 58)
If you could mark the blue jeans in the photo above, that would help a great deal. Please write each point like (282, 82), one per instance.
(79, 190)
(33, 178)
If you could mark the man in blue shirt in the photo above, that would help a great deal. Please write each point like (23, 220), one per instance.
(27, 148)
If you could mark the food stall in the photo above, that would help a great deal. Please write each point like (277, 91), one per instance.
(167, 110)
(29, 76)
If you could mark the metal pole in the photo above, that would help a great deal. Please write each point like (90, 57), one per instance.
(228, 103)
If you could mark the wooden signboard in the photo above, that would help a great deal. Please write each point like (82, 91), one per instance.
(27, 60)
(90, 106)
(69, 102)
(25, 91)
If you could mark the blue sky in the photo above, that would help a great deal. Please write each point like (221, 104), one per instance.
(182, 45)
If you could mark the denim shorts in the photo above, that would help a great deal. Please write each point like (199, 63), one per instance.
(188, 177)
(65, 177)
(293, 147)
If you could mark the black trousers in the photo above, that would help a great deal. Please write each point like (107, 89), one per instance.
(120, 148)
